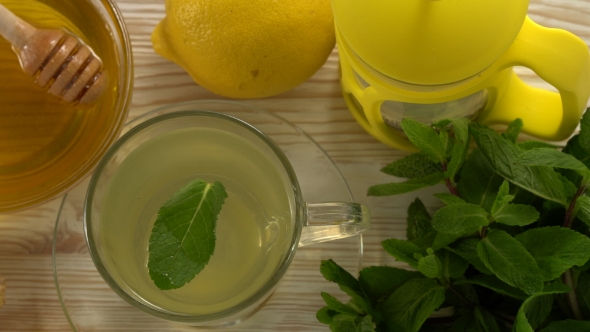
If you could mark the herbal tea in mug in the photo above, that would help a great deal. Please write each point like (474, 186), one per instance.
(140, 194)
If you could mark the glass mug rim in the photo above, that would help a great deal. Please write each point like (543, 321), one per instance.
(299, 218)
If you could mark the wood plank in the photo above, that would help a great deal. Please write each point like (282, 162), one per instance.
(315, 106)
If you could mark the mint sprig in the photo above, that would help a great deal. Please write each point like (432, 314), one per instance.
(510, 261)
(183, 237)
(508, 248)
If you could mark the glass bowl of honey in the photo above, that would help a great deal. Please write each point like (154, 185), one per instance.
(47, 145)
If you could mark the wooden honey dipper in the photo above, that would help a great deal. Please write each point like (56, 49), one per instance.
(56, 59)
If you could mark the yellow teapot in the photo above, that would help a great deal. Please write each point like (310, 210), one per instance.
(435, 59)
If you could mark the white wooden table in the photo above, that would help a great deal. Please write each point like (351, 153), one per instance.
(316, 106)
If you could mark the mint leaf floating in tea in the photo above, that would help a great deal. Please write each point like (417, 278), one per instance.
(183, 237)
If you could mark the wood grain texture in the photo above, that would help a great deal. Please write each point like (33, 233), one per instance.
(316, 106)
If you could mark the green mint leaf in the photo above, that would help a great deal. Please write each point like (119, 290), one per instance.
(555, 249)
(582, 209)
(512, 230)
(357, 301)
(574, 148)
(360, 301)
(430, 266)
(500, 202)
(449, 199)
(446, 141)
(461, 130)
(534, 310)
(522, 196)
(555, 287)
(513, 130)
(458, 157)
(436, 240)
(502, 198)
(567, 326)
(343, 323)
(465, 322)
(528, 145)
(459, 151)
(585, 132)
(504, 189)
(352, 303)
(533, 313)
(402, 251)
(379, 282)
(347, 283)
(183, 236)
(334, 273)
(397, 188)
(418, 220)
(366, 325)
(416, 165)
(467, 248)
(334, 304)
(495, 284)
(325, 315)
(510, 261)
(425, 139)
(477, 320)
(459, 219)
(487, 322)
(551, 158)
(583, 288)
(459, 294)
(512, 214)
(479, 182)
(441, 124)
(516, 215)
(583, 268)
(452, 265)
(542, 181)
(412, 303)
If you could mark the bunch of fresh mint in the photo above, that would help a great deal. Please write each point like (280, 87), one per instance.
(509, 251)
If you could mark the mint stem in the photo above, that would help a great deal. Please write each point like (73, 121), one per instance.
(483, 232)
(567, 277)
(452, 189)
(572, 299)
(569, 215)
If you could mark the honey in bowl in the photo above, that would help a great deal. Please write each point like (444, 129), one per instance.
(47, 145)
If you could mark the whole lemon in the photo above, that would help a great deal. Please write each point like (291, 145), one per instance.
(247, 48)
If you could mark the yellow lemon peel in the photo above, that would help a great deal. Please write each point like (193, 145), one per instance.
(246, 49)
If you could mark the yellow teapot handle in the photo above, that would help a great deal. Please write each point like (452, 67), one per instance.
(562, 60)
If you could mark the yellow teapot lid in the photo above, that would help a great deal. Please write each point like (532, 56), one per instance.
(429, 42)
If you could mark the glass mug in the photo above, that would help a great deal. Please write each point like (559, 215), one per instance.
(263, 221)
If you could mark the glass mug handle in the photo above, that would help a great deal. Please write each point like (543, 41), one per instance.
(332, 221)
(562, 60)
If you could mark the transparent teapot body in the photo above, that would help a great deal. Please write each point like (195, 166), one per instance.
(393, 111)
(467, 107)
(381, 87)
